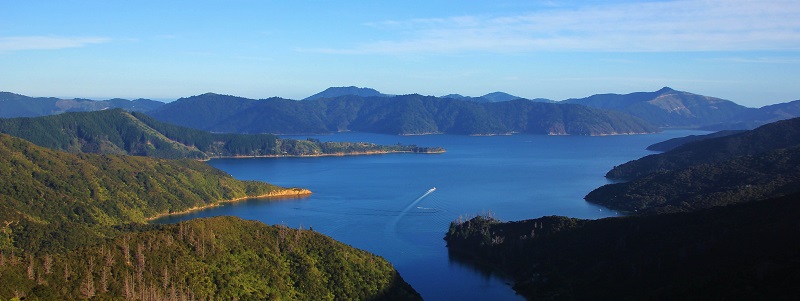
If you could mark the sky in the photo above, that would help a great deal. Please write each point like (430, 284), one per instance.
(744, 51)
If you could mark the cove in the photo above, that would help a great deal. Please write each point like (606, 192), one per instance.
(385, 204)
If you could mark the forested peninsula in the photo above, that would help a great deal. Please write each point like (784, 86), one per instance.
(73, 226)
(132, 133)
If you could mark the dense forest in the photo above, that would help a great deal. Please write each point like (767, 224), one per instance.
(405, 114)
(712, 219)
(72, 226)
(222, 258)
(120, 132)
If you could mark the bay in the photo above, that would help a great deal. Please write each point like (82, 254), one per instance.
(385, 203)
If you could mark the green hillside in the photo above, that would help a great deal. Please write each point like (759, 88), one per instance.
(222, 258)
(44, 190)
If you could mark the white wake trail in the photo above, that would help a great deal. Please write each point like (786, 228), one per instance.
(393, 225)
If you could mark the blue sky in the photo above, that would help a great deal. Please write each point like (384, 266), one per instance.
(744, 51)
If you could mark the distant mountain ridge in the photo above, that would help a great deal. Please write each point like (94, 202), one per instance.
(16, 105)
(667, 107)
(404, 115)
(753, 118)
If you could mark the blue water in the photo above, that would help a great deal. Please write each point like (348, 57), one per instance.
(369, 201)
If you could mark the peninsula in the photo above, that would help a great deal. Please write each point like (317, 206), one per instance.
(132, 133)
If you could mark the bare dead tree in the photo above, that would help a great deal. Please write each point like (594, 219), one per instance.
(30, 267)
(87, 287)
(164, 278)
(47, 264)
(140, 265)
(66, 271)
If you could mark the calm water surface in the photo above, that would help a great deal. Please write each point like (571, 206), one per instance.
(378, 203)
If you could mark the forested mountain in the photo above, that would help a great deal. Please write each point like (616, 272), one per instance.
(746, 251)
(667, 107)
(667, 145)
(748, 166)
(72, 227)
(334, 92)
(770, 137)
(499, 96)
(406, 114)
(15, 105)
(735, 180)
(753, 118)
(119, 132)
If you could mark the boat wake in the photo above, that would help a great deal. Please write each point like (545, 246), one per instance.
(392, 227)
(417, 201)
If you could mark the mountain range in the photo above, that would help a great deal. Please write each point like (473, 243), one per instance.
(668, 108)
(15, 105)
(344, 108)
(404, 115)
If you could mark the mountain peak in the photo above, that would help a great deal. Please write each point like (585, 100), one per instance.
(665, 90)
(499, 96)
(342, 91)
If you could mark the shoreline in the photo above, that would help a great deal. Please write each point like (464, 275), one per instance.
(287, 193)
(324, 155)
